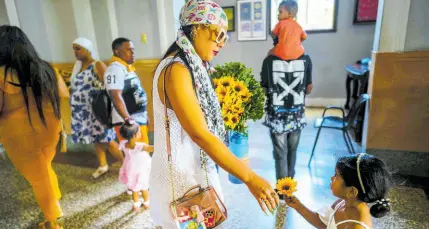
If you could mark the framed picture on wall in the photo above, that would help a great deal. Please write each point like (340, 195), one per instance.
(252, 20)
(365, 11)
(314, 16)
(230, 14)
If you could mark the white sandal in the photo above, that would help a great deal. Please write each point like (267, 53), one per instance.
(146, 205)
(100, 171)
(136, 206)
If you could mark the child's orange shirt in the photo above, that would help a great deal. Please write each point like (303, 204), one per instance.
(290, 35)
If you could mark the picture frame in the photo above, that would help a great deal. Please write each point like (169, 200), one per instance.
(230, 14)
(252, 20)
(365, 11)
(273, 11)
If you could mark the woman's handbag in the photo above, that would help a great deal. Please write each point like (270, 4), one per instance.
(62, 143)
(199, 207)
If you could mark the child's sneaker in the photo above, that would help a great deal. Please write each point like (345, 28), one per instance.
(100, 171)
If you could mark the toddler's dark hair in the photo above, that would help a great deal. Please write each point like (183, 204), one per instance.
(291, 7)
(376, 180)
(129, 129)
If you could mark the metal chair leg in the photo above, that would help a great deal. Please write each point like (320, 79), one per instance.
(314, 146)
(346, 140)
(351, 143)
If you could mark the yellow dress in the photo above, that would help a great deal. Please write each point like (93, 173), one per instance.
(31, 147)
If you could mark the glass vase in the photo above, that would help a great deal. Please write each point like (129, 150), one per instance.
(239, 146)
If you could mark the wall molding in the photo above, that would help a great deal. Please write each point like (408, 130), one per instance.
(324, 102)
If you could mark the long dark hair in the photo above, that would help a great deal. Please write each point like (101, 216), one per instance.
(17, 54)
(376, 180)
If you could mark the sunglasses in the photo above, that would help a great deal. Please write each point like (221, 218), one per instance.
(221, 35)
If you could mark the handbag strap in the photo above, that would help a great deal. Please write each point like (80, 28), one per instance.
(168, 138)
(62, 126)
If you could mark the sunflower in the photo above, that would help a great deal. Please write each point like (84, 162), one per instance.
(227, 117)
(245, 95)
(215, 82)
(224, 112)
(226, 81)
(286, 186)
(228, 101)
(220, 98)
(238, 109)
(221, 91)
(239, 86)
(232, 120)
(238, 101)
(235, 119)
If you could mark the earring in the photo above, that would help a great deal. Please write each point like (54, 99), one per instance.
(193, 33)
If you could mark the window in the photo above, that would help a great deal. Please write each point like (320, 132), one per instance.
(313, 15)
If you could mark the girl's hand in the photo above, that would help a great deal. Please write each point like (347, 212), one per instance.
(263, 193)
(148, 148)
(293, 202)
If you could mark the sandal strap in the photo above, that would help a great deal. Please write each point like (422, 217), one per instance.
(137, 204)
(42, 225)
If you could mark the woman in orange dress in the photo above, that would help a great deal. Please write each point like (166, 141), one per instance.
(30, 115)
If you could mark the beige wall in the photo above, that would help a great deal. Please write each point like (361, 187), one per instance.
(134, 18)
(61, 30)
(3, 14)
(32, 22)
(102, 28)
(417, 37)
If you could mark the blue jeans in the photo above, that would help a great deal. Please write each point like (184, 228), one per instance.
(284, 152)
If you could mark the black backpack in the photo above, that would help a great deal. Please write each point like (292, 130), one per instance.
(102, 105)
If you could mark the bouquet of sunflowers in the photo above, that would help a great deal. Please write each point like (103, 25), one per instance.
(241, 97)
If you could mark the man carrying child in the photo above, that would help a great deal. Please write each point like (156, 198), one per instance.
(287, 77)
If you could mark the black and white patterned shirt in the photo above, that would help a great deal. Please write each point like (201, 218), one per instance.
(285, 82)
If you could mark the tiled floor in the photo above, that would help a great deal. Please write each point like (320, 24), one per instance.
(103, 203)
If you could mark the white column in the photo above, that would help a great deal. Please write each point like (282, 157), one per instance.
(12, 13)
(162, 24)
(177, 6)
(392, 28)
(166, 22)
(83, 19)
(113, 23)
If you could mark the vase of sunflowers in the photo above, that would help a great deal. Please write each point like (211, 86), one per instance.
(241, 98)
(239, 146)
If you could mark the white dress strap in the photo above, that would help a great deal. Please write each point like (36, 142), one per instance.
(354, 221)
(335, 210)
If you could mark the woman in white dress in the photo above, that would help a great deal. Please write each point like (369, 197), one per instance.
(195, 116)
